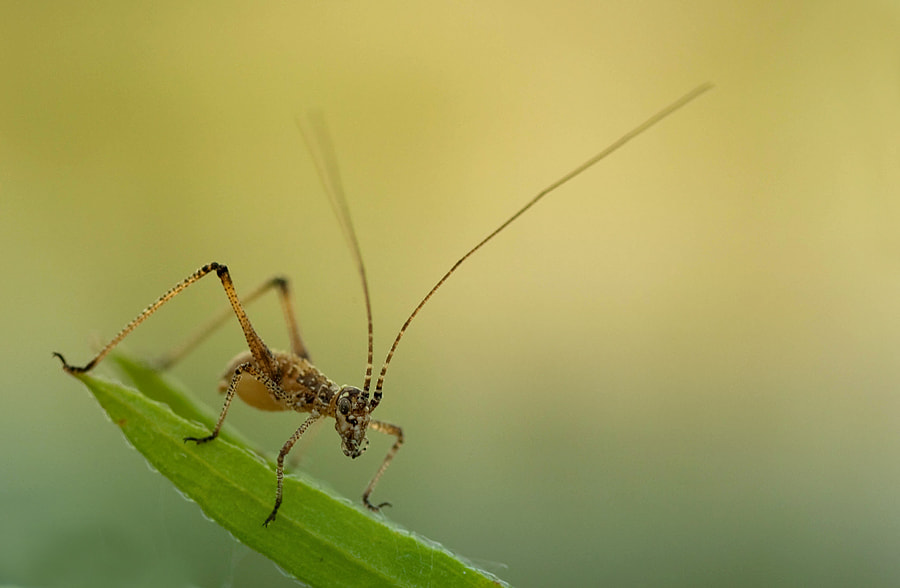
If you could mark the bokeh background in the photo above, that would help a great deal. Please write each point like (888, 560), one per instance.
(680, 369)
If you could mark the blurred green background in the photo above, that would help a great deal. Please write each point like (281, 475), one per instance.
(678, 370)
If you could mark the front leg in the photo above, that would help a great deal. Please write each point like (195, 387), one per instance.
(279, 471)
(390, 430)
(244, 368)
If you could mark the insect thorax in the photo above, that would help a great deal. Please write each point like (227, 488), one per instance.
(304, 386)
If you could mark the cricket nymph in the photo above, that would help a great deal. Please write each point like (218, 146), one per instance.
(303, 388)
(277, 381)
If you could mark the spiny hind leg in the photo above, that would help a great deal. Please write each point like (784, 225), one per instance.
(170, 294)
(284, 292)
(260, 352)
(388, 429)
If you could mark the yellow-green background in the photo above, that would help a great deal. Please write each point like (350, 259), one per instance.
(679, 370)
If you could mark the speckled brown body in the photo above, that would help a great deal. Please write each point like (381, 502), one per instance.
(290, 382)
(306, 388)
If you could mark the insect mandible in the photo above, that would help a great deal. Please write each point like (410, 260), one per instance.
(280, 380)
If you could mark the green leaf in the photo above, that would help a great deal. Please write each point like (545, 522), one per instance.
(319, 539)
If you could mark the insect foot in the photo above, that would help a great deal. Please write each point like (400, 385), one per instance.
(271, 517)
(374, 507)
(71, 369)
(201, 440)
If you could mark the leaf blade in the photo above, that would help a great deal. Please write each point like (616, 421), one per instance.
(317, 538)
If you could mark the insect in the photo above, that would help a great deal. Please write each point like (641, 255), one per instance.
(281, 380)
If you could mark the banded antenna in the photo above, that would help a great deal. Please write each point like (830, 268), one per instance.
(322, 151)
(615, 146)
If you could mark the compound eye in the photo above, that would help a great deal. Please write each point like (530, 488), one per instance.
(344, 405)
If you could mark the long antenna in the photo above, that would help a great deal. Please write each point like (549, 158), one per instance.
(376, 398)
(322, 151)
